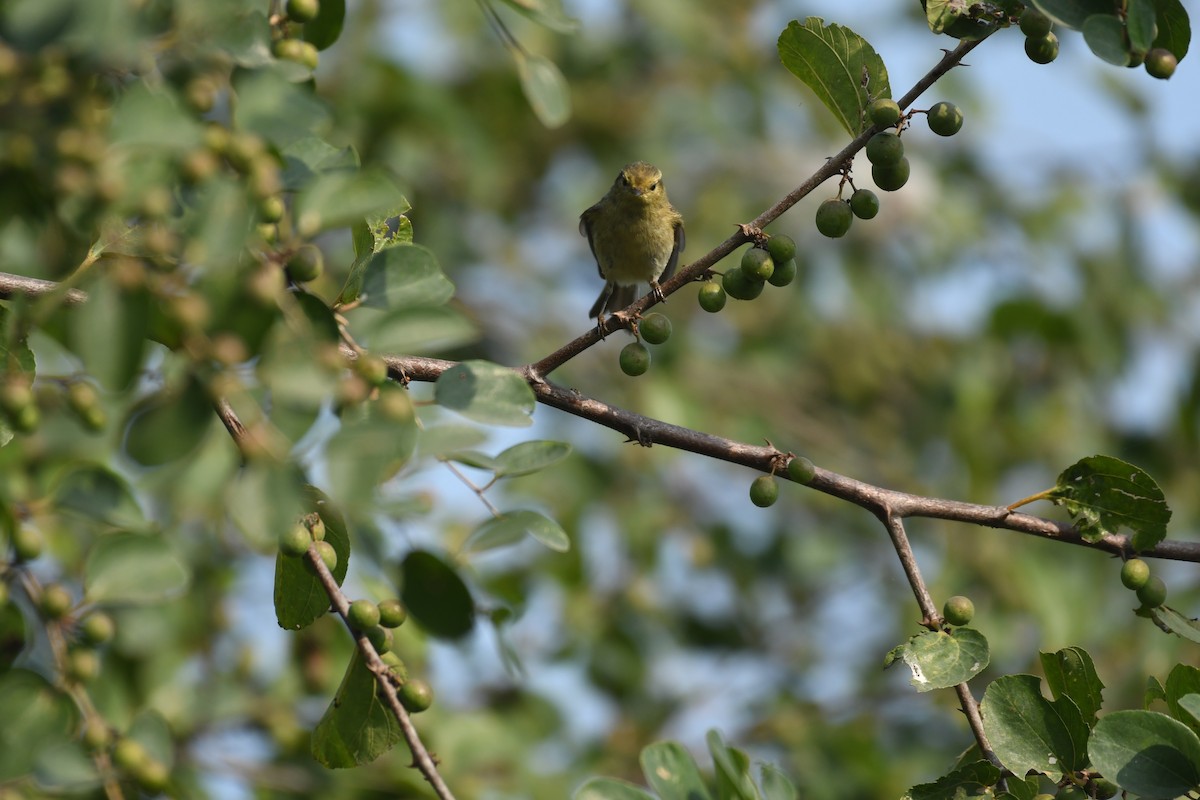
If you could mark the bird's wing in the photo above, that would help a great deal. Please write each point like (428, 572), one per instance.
(673, 261)
(585, 229)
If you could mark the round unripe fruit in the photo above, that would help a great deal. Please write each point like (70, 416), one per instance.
(958, 610)
(317, 528)
(764, 491)
(415, 695)
(392, 613)
(28, 543)
(890, 178)
(885, 148)
(328, 556)
(801, 470)
(372, 368)
(270, 209)
(1135, 573)
(303, 10)
(834, 217)
(306, 265)
(95, 734)
(1103, 788)
(884, 112)
(363, 614)
(634, 359)
(16, 395)
(782, 248)
(1161, 63)
(97, 628)
(82, 397)
(394, 404)
(757, 264)
(83, 665)
(1042, 50)
(295, 541)
(128, 754)
(1154, 593)
(1034, 24)
(1071, 792)
(151, 775)
(655, 328)
(380, 638)
(712, 296)
(1043, 797)
(739, 287)
(784, 273)
(864, 203)
(945, 119)
(56, 601)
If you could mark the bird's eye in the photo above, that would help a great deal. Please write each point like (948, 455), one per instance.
(621, 179)
(654, 186)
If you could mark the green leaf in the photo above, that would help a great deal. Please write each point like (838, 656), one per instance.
(411, 330)
(1141, 22)
(366, 452)
(970, 780)
(473, 458)
(1189, 704)
(610, 789)
(376, 232)
(838, 65)
(14, 349)
(300, 598)
(1071, 673)
(153, 118)
(36, 717)
(133, 568)
(168, 425)
(1179, 625)
(485, 392)
(274, 107)
(66, 768)
(1174, 27)
(548, 14)
(307, 157)
(436, 596)
(12, 635)
(358, 726)
(545, 88)
(98, 494)
(446, 441)
(1026, 731)
(733, 770)
(776, 785)
(1147, 753)
(529, 457)
(672, 773)
(939, 660)
(1184, 681)
(108, 332)
(1102, 493)
(404, 277)
(513, 526)
(339, 199)
(1073, 13)
(265, 500)
(958, 18)
(327, 27)
(1105, 35)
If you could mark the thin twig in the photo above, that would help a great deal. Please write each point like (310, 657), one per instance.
(14, 285)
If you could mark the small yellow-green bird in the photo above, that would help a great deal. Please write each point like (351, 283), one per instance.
(636, 236)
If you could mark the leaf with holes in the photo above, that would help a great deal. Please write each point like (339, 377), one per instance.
(1103, 494)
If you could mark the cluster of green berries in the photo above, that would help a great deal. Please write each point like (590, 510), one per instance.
(764, 490)
(653, 328)
(890, 168)
(21, 404)
(295, 50)
(1136, 576)
(1041, 45)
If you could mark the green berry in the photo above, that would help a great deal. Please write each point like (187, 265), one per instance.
(884, 112)
(129, 754)
(764, 491)
(801, 470)
(1161, 63)
(654, 328)
(392, 613)
(782, 248)
(1103, 788)
(83, 665)
(834, 218)
(305, 265)
(303, 10)
(634, 359)
(371, 368)
(864, 203)
(28, 543)
(270, 209)
(295, 540)
(1135, 573)
(784, 273)
(945, 119)
(363, 614)
(1042, 50)
(739, 287)
(712, 296)
(152, 776)
(16, 394)
(958, 610)
(890, 178)
(1154, 593)
(96, 734)
(328, 556)
(56, 601)
(317, 527)
(885, 148)
(1034, 24)
(415, 695)
(380, 638)
(97, 628)
(757, 264)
